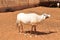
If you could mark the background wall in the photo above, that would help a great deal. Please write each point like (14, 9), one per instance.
(19, 4)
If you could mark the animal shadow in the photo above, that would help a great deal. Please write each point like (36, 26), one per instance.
(39, 33)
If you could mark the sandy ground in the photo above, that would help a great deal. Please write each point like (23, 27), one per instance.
(46, 30)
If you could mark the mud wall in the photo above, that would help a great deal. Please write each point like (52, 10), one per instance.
(19, 4)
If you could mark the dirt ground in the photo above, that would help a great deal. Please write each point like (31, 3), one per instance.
(48, 29)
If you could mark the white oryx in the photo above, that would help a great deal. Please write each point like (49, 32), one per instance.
(30, 18)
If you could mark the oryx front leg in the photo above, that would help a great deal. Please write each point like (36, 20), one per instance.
(33, 29)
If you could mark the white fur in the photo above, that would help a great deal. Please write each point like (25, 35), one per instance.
(30, 18)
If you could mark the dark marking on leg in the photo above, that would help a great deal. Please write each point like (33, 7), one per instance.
(33, 29)
(21, 28)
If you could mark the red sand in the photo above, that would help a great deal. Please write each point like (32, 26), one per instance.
(9, 31)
